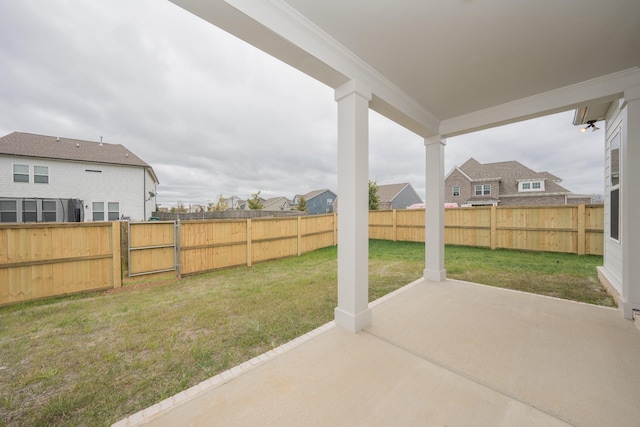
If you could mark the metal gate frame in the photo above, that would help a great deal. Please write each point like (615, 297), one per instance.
(175, 246)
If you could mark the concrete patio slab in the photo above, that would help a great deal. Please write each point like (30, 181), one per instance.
(450, 353)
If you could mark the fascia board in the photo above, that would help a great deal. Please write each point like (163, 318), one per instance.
(602, 89)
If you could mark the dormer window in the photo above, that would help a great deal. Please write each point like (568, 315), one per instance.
(483, 190)
(525, 186)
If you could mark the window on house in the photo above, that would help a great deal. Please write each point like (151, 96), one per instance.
(98, 211)
(329, 201)
(49, 211)
(614, 211)
(29, 211)
(456, 191)
(531, 186)
(20, 173)
(114, 211)
(614, 194)
(483, 190)
(8, 211)
(41, 174)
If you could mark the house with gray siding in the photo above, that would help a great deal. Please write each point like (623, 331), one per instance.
(506, 184)
(47, 179)
(397, 196)
(317, 201)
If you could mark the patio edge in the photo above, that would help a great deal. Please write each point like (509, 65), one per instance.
(148, 414)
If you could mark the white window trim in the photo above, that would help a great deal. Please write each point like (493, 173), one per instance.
(482, 188)
(40, 174)
(13, 173)
(453, 191)
(530, 183)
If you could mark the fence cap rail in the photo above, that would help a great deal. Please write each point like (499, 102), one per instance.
(56, 224)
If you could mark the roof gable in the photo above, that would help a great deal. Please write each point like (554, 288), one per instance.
(388, 192)
(310, 195)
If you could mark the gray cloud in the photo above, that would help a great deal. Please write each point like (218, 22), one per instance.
(214, 115)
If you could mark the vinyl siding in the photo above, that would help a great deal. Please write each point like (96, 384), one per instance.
(122, 184)
(612, 248)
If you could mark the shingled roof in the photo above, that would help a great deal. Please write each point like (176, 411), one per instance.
(509, 173)
(51, 147)
(388, 192)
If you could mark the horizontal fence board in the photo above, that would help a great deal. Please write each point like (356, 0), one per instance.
(41, 260)
(44, 260)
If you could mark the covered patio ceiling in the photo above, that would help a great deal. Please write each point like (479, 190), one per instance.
(449, 67)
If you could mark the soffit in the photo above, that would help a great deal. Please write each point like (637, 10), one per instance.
(445, 60)
(459, 56)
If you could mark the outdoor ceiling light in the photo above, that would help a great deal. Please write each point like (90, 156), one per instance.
(590, 124)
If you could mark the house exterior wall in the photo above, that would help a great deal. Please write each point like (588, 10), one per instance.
(529, 200)
(488, 199)
(612, 247)
(149, 201)
(406, 197)
(457, 178)
(89, 182)
(319, 204)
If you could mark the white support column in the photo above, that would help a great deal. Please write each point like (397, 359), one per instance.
(434, 209)
(630, 204)
(353, 311)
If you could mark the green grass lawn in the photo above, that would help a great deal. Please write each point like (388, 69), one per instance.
(92, 359)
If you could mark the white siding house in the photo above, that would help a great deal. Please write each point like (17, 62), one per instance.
(45, 178)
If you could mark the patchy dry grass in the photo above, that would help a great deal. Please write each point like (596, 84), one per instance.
(93, 359)
(558, 275)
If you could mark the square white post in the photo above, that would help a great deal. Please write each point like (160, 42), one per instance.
(353, 312)
(630, 204)
(434, 209)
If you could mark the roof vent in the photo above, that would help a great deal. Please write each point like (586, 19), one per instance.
(58, 139)
(77, 145)
(127, 154)
(101, 144)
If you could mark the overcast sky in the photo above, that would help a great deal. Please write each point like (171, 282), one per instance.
(213, 115)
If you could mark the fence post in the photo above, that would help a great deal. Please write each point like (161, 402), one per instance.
(115, 248)
(178, 248)
(582, 241)
(299, 242)
(395, 226)
(248, 242)
(494, 228)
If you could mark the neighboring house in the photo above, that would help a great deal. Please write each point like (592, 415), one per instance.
(276, 204)
(233, 202)
(243, 205)
(46, 179)
(317, 201)
(397, 196)
(504, 184)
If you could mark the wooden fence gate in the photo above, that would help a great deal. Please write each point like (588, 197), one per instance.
(153, 247)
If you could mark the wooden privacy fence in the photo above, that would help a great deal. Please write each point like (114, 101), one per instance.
(568, 228)
(43, 260)
(192, 247)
